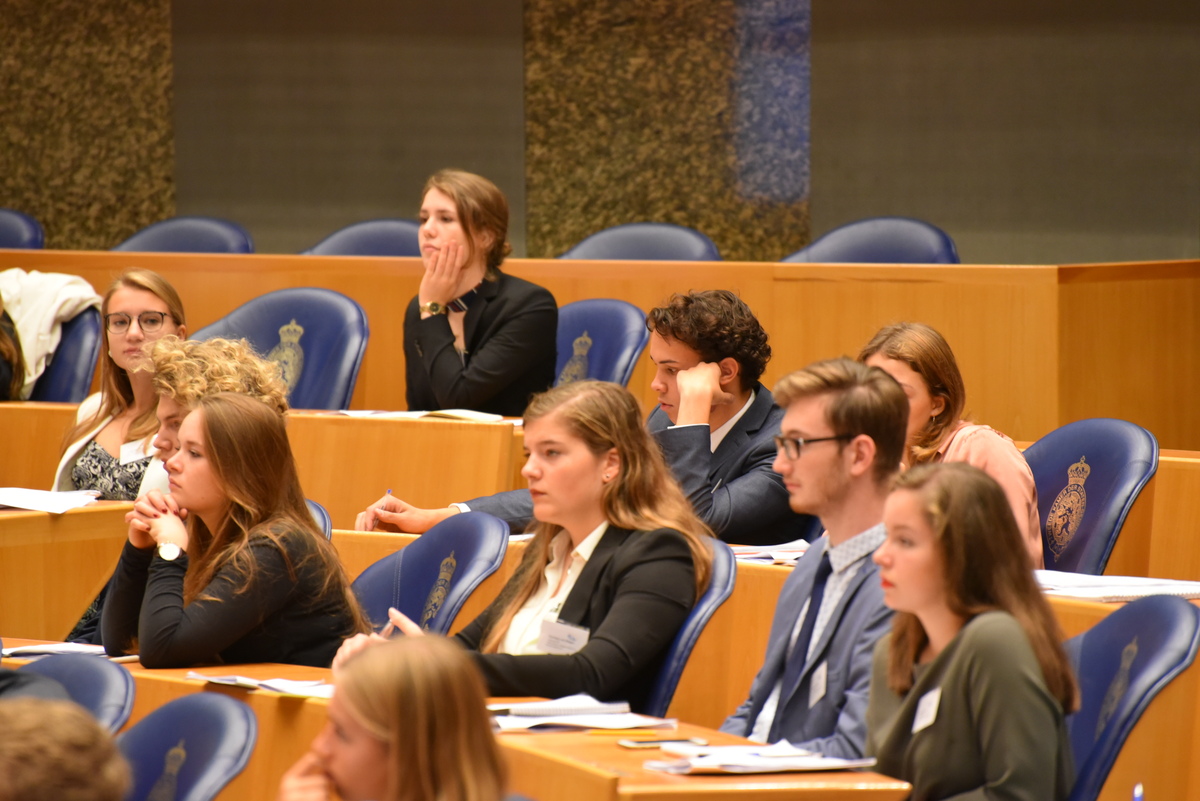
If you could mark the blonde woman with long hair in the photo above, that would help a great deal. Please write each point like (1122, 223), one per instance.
(109, 447)
(408, 722)
(230, 566)
(616, 563)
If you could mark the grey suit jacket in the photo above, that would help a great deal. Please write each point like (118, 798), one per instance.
(836, 725)
(733, 490)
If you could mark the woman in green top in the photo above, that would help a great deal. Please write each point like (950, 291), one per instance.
(969, 690)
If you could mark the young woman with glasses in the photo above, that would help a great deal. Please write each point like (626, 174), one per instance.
(109, 448)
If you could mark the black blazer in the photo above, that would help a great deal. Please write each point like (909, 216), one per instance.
(510, 331)
(633, 595)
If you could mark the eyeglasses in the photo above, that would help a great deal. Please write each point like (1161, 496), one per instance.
(791, 446)
(148, 321)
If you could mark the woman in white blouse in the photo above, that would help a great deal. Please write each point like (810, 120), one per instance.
(617, 560)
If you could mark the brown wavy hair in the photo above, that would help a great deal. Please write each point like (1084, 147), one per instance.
(187, 370)
(482, 208)
(643, 497)
(986, 568)
(926, 351)
(425, 700)
(10, 351)
(717, 324)
(247, 446)
(116, 393)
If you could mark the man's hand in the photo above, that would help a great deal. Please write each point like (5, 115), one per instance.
(699, 391)
(389, 513)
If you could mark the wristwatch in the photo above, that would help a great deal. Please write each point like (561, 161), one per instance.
(169, 551)
(433, 307)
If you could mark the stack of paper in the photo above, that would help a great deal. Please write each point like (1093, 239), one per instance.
(782, 757)
(574, 711)
(47, 648)
(1112, 588)
(46, 501)
(304, 689)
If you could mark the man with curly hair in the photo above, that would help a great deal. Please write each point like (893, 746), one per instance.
(715, 423)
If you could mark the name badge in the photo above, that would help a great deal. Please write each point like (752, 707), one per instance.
(558, 637)
(816, 687)
(927, 709)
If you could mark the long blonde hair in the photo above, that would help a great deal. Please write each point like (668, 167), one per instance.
(424, 699)
(643, 497)
(986, 568)
(116, 391)
(247, 446)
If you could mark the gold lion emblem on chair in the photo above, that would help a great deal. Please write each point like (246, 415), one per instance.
(1066, 514)
(288, 354)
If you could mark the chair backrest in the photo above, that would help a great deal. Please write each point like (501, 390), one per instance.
(372, 238)
(646, 241)
(19, 230)
(1121, 663)
(190, 235)
(720, 587)
(429, 579)
(881, 240)
(190, 748)
(68, 373)
(599, 338)
(1088, 474)
(317, 336)
(321, 516)
(101, 687)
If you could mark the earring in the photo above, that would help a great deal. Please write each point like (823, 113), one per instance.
(607, 477)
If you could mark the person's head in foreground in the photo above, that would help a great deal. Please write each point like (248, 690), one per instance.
(920, 359)
(408, 722)
(56, 751)
(952, 552)
(186, 370)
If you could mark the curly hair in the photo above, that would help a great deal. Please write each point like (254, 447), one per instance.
(717, 324)
(187, 370)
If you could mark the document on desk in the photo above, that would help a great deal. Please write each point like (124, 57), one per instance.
(614, 722)
(46, 501)
(49, 648)
(1111, 588)
(469, 415)
(781, 757)
(301, 689)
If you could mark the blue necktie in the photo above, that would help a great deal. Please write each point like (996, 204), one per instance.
(796, 658)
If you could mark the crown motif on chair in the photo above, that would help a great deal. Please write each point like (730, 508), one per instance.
(576, 368)
(582, 344)
(291, 332)
(164, 788)
(1117, 688)
(1066, 515)
(441, 588)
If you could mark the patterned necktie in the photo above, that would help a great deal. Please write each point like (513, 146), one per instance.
(799, 653)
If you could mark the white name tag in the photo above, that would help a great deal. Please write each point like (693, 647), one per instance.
(561, 638)
(927, 709)
(816, 687)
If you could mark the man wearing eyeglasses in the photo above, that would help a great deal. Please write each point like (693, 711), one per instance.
(840, 443)
(714, 422)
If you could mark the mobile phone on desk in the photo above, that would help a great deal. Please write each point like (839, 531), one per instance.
(660, 743)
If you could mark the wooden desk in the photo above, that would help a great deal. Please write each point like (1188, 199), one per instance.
(582, 767)
(52, 566)
(347, 463)
(1026, 337)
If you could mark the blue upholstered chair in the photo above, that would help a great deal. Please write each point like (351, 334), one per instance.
(101, 687)
(321, 516)
(881, 240)
(646, 241)
(190, 748)
(68, 374)
(720, 587)
(1121, 663)
(19, 230)
(372, 238)
(317, 336)
(1088, 474)
(599, 338)
(429, 579)
(190, 235)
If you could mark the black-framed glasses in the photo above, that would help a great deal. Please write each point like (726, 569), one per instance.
(148, 321)
(791, 446)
